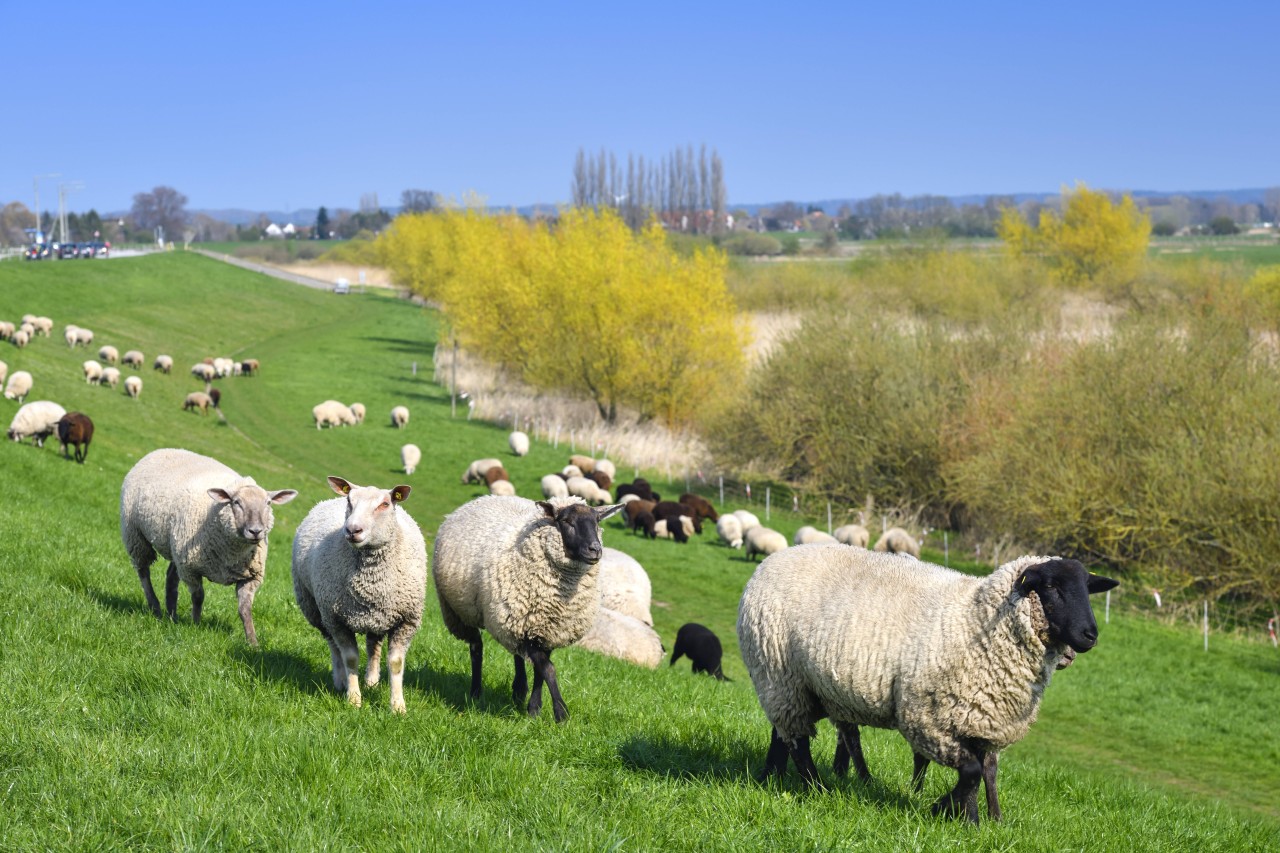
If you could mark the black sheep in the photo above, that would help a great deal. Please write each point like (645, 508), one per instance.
(216, 396)
(645, 522)
(671, 509)
(700, 645)
(75, 429)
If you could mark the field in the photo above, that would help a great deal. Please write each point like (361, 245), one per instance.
(123, 731)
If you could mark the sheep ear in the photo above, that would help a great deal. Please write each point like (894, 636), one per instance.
(603, 512)
(220, 496)
(283, 496)
(1097, 583)
(400, 493)
(340, 485)
(548, 508)
(1029, 581)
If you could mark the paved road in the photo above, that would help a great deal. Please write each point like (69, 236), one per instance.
(307, 281)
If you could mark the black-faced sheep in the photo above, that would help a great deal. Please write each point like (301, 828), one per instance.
(700, 644)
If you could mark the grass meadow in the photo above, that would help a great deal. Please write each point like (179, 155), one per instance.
(121, 731)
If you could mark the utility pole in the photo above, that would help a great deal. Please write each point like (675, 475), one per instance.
(63, 189)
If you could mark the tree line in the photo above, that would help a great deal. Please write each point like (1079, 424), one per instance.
(686, 192)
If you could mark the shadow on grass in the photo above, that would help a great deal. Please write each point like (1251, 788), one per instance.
(130, 606)
(454, 690)
(423, 348)
(287, 667)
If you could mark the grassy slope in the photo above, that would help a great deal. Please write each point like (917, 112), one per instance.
(125, 731)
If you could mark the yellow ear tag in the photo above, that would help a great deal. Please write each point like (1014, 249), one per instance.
(396, 494)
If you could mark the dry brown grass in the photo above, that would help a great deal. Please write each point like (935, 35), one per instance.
(331, 272)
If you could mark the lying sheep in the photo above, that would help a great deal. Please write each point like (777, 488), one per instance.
(853, 534)
(110, 377)
(618, 635)
(624, 585)
(410, 456)
(92, 372)
(809, 535)
(37, 419)
(133, 358)
(332, 413)
(133, 386)
(108, 354)
(206, 520)
(525, 572)
(357, 412)
(75, 429)
(519, 443)
(762, 540)
(197, 400)
(747, 519)
(729, 528)
(19, 385)
(895, 540)
(700, 644)
(163, 363)
(400, 417)
(956, 664)
(701, 507)
(553, 486)
(360, 567)
(476, 470)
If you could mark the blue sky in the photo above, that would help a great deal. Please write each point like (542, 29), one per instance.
(295, 105)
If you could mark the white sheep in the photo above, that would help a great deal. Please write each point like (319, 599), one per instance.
(19, 385)
(133, 386)
(747, 518)
(21, 338)
(853, 534)
(110, 377)
(28, 328)
(762, 540)
(570, 471)
(502, 487)
(133, 358)
(71, 336)
(92, 372)
(729, 528)
(604, 466)
(6, 330)
(400, 417)
(357, 412)
(163, 363)
(477, 469)
(44, 326)
(809, 535)
(332, 413)
(625, 499)
(955, 663)
(519, 443)
(203, 372)
(197, 400)
(588, 490)
(584, 464)
(618, 635)
(206, 520)
(662, 530)
(525, 572)
(108, 354)
(360, 567)
(223, 366)
(38, 419)
(410, 456)
(84, 336)
(554, 486)
(895, 540)
(4, 371)
(625, 586)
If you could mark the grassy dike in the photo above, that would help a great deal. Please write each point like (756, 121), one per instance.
(122, 731)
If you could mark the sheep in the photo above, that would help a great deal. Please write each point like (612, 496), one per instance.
(206, 520)
(762, 540)
(672, 509)
(604, 466)
(400, 417)
(197, 400)
(83, 336)
(28, 328)
(809, 535)
(502, 487)
(729, 529)
(956, 664)
(747, 518)
(601, 479)
(584, 464)
(553, 486)
(21, 338)
(92, 372)
(626, 499)
(492, 475)
(133, 358)
(133, 386)
(6, 330)
(70, 336)
(679, 528)
(527, 573)
(108, 354)
(38, 419)
(250, 367)
(75, 429)
(332, 413)
(701, 507)
(571, 471)
(223, 366)
(110, 377)
(895, 540)
(640, 488)
(215, 397)
(360, 567)
(19, 385)
(624, 586)
(204, 372)
(357, 412)
(624, 637)
(44, 326)
(163, 363)
(633, 509)
(519, 443)
(476, 470)
(587, 490)
(645, 523)
(700, 644)
(853, 534)
(4, 371)
(410, 456)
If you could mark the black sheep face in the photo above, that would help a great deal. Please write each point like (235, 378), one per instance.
(1064, 587)
(579, 527)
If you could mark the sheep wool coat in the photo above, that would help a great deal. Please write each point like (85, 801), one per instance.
(883, 640)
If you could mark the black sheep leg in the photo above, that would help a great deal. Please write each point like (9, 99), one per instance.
(919, 765)
(989, 766)
(477, 660)
(963, 798)
(171, 593)
(849, 745)
(803, 757)
(544, 670)
(519, 684)
(775, 760)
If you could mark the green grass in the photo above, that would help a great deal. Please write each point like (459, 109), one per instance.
(122, 731)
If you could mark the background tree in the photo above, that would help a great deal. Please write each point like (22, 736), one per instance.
(1223, 226)
(322, 223)
(14, 217)
(163, 207)
(418, 201)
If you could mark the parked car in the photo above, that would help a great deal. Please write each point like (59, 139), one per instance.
(68, 250)
(36, 252)
(92, 250)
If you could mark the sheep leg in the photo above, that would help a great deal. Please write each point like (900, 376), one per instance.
(339, 668)
(477, 659)
(803, 757)
(171, 593)
(535, 696)
(373, 662)
(545, 670)
(989, 767)
(520, 684)
(245, 591)
(919, 765)
(963, 798)
(144, 575)
(197, 598)
(397, 648)
(849, 745)
(346, 643)
(775, 760)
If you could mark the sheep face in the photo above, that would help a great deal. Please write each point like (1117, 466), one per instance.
(370, 522)
(1064, 587)
(251, 508)
(579, 527)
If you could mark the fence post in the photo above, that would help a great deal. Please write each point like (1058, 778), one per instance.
(1108, 615)
(946, 552)
(722, 490)
(828, 518)
(767, 498)
(1206, 624)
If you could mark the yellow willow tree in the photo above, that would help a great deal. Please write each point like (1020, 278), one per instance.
(1094, 241)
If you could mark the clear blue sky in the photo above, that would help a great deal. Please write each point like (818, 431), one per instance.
(286, 105)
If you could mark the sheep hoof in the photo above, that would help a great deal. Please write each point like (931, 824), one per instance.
(398, 707)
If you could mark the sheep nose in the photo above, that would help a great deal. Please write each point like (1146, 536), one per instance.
(1091, 635)
(253, 532)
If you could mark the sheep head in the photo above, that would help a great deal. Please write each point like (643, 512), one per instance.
(370, 520)
(1063, 588)
(251, 508)
(579, 528)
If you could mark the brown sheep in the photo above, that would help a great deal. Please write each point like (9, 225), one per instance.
(672, 509)
(76, 429)
(494, 474)
(601, 479)
(585, 464)
(633, 509)
(701, 507)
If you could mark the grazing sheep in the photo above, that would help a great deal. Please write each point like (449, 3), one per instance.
(197, 400)
(4, 371)
(701, 507)
(360, 567)
(476, 470)
(502, 487)
(587, 490)
(679, 528)
(809, 535)
(204, 372)
(332, 413)
(133, 358)
(110, 377)
(44, 326)
(163, 363)
(762, 540)
(357, 412)
(604, 466)
(625, 586)
(108, 354)
(601, 479)
(75, 429)
(92, 372)
(618, 635)
(29, 329)
(250, 367)
(133, 386)
(525, 572)
(645, 523)
(729, 529)
(747, 519)
(640, 488)
(633, 509)
(571, 471)
(6, 330)
(553, 486)
(895, 540)
(626, 499)
(853, 534)
(492, 475)
(584, 464)
(19, 385)
(38, 419)
(215, 397)
(956, 664)
(700, 644)
(410, 456)
(70, 335)
(400, 417)
(83, 337)
(519, 443)
(21, 338)
(223, 366)
(673, 509)
(206, 520)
